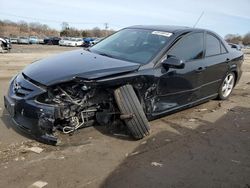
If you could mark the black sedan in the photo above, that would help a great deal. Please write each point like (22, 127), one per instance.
(137, 74)
(52, 40)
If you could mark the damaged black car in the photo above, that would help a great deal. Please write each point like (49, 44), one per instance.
(138, 74)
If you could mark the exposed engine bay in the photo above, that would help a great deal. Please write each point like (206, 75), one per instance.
(80, 105)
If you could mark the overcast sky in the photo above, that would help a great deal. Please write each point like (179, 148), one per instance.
(222, 16)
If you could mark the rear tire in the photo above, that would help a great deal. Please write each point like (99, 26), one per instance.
(128, 103)
(227, 86)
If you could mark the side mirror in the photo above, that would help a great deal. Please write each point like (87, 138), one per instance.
(173, 62)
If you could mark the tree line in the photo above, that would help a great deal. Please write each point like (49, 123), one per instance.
(238, 39)
(22, 28)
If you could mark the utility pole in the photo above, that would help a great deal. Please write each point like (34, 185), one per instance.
(106, 26)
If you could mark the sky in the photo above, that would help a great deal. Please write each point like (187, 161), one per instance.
(221, 16)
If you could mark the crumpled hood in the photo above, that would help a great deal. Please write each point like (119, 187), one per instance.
(77, 63)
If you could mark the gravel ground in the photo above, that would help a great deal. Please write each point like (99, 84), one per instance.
(205, 146)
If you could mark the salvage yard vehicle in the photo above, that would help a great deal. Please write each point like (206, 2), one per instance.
(87, 42)
(138, 74)
(63, 41)
(235, 46)
(23, 40)
(51, 40)
(95, 41)
(33, 40)
(5, 44)
(14, 40)
(73, 42)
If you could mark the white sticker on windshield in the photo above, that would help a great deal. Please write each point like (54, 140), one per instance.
(162, 33)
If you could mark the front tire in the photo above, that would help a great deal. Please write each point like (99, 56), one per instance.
(227, 86)
(128, 103)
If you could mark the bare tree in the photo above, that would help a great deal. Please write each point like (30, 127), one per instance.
(246, 39)
(96, 32)
(233, 38)
(65, 25)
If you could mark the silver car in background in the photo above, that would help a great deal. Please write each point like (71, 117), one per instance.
(23, 40)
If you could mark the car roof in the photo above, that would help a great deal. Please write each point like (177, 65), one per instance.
(167, 28)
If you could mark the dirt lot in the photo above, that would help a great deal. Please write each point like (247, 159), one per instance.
(205, 146)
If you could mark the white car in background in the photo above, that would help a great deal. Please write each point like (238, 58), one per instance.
(74, 42)
(63, 41)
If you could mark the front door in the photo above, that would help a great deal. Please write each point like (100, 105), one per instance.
(180, 87)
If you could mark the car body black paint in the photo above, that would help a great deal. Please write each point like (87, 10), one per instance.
(77, 63)
(162, 90)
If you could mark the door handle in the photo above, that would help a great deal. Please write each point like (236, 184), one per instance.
(200, 69)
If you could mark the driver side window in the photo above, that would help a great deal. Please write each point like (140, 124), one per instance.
(189, 47)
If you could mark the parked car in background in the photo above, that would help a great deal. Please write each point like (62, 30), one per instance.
(33, 40)
(95, 41)
(87, 42)
(14, 40)
(5, 44)
(40, 41)
(23, 40)
(63, 41)
(52, 40)
(73, 42)
(235, 46)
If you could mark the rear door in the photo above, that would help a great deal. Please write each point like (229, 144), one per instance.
(215, 63)
(179, 87)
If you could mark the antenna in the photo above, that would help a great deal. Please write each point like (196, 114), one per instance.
(198, 19)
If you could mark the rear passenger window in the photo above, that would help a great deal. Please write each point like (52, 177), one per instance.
(188, 48)
(223, 49)
(213, 45)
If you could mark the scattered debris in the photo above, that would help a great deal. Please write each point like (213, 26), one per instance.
(167, 140)
(144, 142)
(35, 149)
(156, 164)
(213, 110)
(153, 139)
(134, 153)
(203, 132)
(235, 161)
(61, 157)
(38, 184)
(192, 120)
(201, 110)
(248, 83)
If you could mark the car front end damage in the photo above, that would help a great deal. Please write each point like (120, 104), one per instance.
(41, 110)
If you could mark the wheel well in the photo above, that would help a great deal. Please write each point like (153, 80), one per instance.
(236, 76)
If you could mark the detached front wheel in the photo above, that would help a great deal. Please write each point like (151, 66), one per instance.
(227, 86)
(131, 109)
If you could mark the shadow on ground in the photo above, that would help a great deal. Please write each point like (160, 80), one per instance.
(213, 155)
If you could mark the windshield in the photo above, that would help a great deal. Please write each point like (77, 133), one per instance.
(136, 45)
